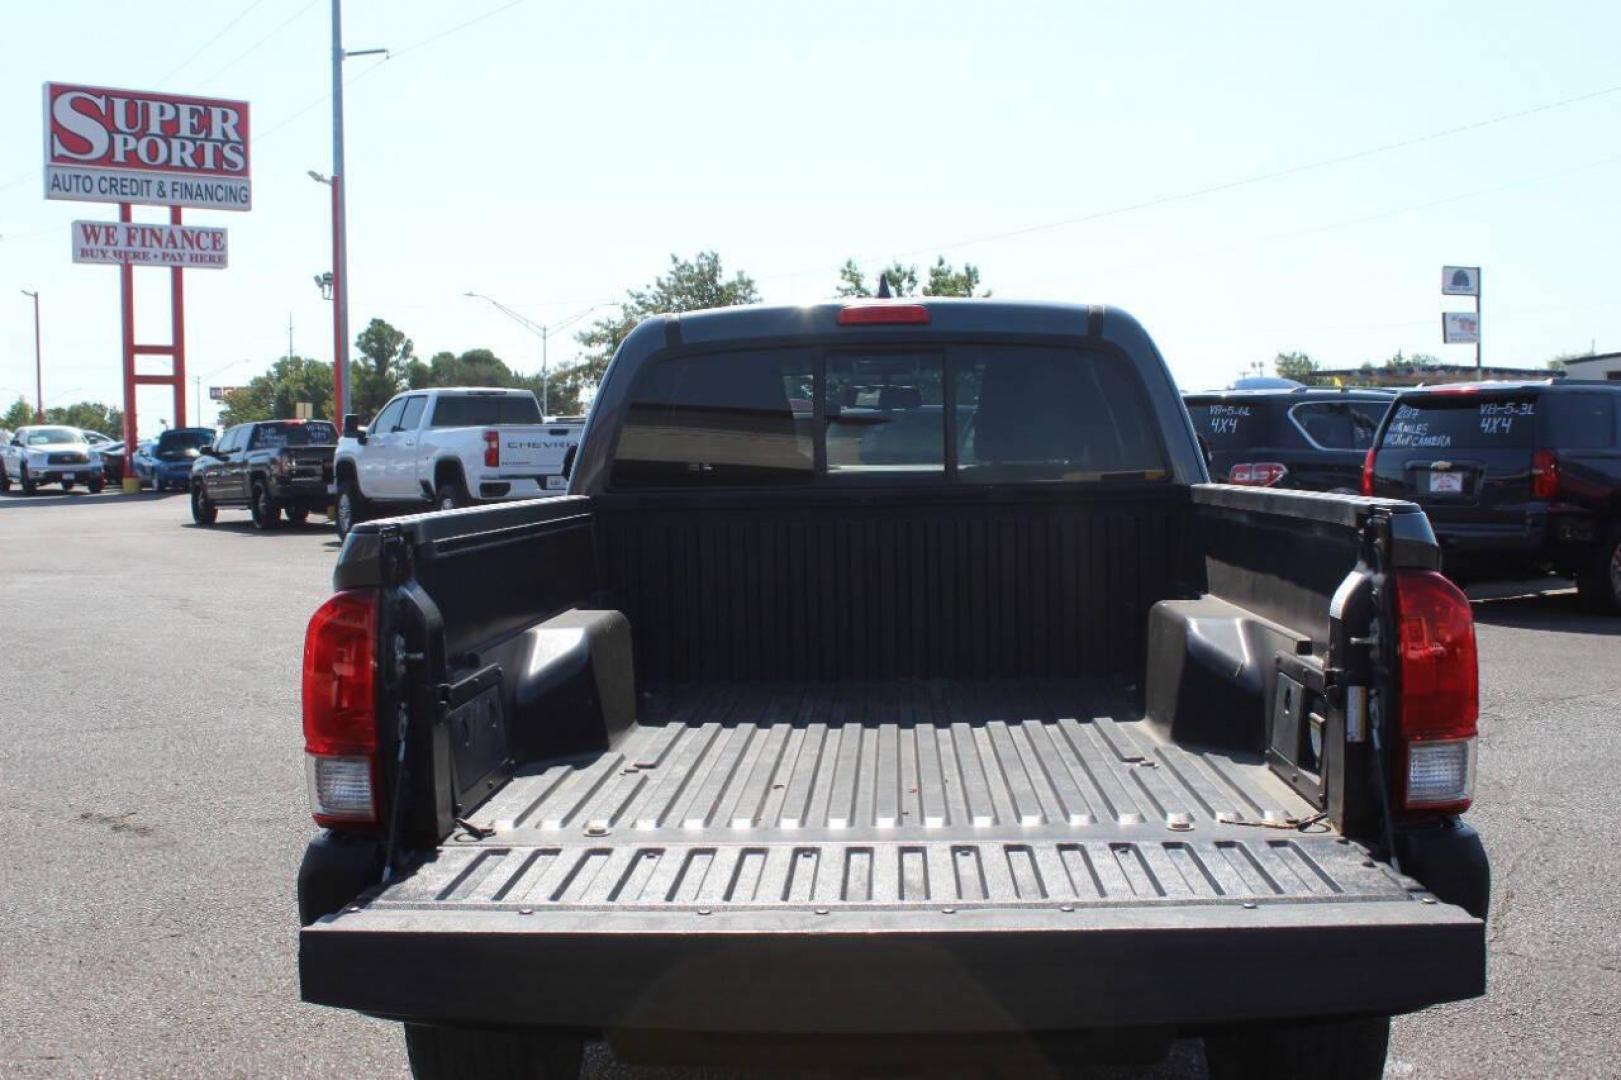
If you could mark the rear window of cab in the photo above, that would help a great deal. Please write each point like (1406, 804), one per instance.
(955, 413)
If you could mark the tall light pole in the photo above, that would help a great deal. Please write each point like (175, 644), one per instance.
(541, 330)
(340, 238)
(39, 380)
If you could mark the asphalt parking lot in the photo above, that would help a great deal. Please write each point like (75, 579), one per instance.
(152, 780)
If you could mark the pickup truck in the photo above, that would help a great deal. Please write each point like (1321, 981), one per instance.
(1023, 741)
(271, 468)
(448, 448)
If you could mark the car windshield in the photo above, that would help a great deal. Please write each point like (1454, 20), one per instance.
(183, 440)
(314, 433)
(1467, 421)
(46, 435)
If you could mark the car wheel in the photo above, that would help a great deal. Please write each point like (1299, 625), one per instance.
(1331, 1050)
(297, 514)
(351, 508)
(440, 1053)
(26, 482)
(262, 508)
(203, 510)
(1600, 587)
(67, 485)
(451, 495)
(5, 480)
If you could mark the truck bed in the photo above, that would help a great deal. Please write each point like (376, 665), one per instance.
(888, 793)
(1144, 878)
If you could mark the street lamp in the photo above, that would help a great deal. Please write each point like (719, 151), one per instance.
(541, 330)
(39, 381)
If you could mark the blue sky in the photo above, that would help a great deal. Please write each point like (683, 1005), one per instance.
(553, 155)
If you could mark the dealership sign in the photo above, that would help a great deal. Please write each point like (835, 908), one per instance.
(1460, 280)
(1460, 328)
(189, 247)
(130, 146)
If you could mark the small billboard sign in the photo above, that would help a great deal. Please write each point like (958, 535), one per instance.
(131, 146)
(1460, 328)
(189, 247)
(220, 393)
(1460, 280)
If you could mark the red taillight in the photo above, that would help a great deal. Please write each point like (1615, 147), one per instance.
(1544, 475)
(1367, 471)
(883, 315)
(1257, 473)
(1440, 694)
(340, 709)
(492, 449)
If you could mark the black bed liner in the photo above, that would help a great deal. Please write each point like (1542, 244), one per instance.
(1002, 855)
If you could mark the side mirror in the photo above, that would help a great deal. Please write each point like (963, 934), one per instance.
(351, 426)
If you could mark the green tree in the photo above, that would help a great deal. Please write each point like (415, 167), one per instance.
(852, 282)
(275, 395)
(1417, 360)
(944, 280)
(384, 367)
(90, 415)
(475, 367)
(21, 414)
(688, 285)
(1295, 365)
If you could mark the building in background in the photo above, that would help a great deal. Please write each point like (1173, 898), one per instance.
(1426, 375)
(1600, 367)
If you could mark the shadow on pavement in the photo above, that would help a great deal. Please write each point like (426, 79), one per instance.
(1537, 605)
(15, 499)
(244, 527)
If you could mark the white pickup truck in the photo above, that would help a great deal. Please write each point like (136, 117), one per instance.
(449, 448)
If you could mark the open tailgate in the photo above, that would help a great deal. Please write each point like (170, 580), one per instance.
(896, 937)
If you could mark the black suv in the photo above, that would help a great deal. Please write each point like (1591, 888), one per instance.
(272, 467)
(1518, 478)
(1303, 437)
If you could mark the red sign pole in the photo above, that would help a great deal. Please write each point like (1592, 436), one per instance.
(177, 316)
(126, 289)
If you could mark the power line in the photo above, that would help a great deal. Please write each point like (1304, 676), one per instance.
(204, 46)
(257, 45)
(1229, 185)
(1185, 255)
(393, 53)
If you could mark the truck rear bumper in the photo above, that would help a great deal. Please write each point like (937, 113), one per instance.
(809, 970)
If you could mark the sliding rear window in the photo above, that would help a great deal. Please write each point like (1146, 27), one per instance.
(980, 413)
(1466, 421)
(485, 410)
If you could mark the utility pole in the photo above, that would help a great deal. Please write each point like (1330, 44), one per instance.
(542, 331)
(197, 394)
(289, 335)
(340, 239)
(39, 380)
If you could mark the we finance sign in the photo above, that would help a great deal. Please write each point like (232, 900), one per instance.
(130, 146)
(190, 247)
